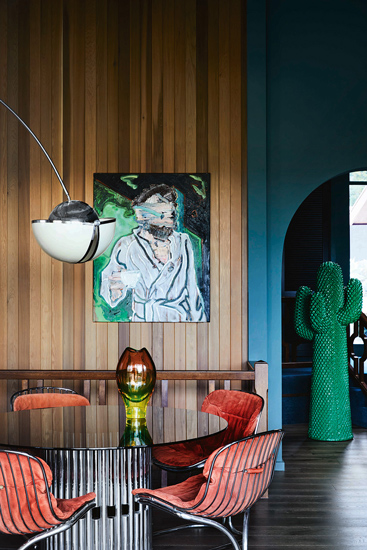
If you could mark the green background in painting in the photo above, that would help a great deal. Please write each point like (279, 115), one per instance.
(109, 204)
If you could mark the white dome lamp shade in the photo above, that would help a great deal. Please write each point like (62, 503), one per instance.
(73, 232)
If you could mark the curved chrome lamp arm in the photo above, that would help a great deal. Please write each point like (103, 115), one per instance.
(73, 231)
(40, 144)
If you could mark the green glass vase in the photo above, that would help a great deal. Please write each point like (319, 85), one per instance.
(135, 377)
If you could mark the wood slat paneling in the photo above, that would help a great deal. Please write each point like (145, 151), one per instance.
(3, 201)
(46, 109)
(112, 159)
(236, 187)
(202, 163)
(11, 186)
(90, 167)
(23, 184)
(213, 168)
(56, 192)
(225, 187)
(129, 86)
(76, 159)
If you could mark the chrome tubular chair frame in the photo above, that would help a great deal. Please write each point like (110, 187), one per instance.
(234, 478)
(204, 522)
(59, 528)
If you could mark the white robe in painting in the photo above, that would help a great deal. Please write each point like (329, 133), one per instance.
(161, 292)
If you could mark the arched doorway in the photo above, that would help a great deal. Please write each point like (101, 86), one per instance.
(318, 232)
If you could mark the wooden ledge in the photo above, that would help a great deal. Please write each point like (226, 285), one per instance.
(111, 375)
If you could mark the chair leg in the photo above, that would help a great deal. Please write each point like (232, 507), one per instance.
(246, 516)
(210, 523)
(232, 527)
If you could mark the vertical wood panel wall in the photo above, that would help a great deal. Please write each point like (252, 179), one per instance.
(130, 86)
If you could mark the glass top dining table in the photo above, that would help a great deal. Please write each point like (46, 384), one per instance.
(100, 426)
(82, 447)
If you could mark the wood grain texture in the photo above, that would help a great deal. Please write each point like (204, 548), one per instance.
(203, 362)
(57, 270)
(18, 374)
(12, 193)
(225, 187)
(3, 202)
(68, 294)
(213, 168)
(23, 185)
(236, 185)
(76, 159)
(130, 86)
(46, 187)
(90, 168)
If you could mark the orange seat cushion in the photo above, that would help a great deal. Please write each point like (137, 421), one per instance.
(46, 400)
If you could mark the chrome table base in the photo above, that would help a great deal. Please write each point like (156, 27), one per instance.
(112, 474)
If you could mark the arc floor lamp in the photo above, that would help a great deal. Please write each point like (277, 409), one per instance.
(73, 231)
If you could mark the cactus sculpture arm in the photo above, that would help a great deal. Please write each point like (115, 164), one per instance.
(351, 309)
(315, 313)
(302, 321)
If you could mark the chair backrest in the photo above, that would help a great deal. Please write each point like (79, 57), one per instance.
(237, 475)
(240, 409)
(26, 504)
(44, 397)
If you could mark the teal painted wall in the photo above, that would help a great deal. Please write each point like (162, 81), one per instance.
(310, 99)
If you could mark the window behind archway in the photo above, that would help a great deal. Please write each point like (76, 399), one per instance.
(358, 230)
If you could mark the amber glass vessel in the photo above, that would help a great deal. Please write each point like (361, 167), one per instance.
(135, 377)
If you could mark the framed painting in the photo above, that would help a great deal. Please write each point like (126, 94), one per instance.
(157, 266)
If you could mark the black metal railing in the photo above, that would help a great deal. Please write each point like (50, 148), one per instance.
(357, 351)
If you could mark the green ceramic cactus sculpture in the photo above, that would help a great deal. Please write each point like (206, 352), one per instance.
(322, 317)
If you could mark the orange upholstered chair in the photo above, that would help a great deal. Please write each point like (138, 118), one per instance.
(44, 397)
(26, 505)
(242, 412)
(234, 478)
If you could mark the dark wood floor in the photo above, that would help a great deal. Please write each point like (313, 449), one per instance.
(318, 503)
